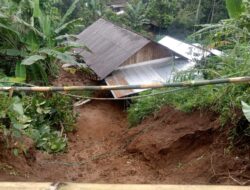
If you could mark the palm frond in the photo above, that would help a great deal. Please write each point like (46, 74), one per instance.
(68, 25)
(20, 71)
(36, 9)
(12, 52)
(64, 57)
(67, 37)
(18, 20)
(68, 13)
(8, 28)
(32, 59)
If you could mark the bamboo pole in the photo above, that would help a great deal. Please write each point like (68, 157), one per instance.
(127, 87)
(73, 186)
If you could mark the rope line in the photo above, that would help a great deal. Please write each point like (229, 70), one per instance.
(126, 98)
(111, 99)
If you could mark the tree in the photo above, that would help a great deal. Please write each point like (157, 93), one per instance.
(162, 12)
(136, 15)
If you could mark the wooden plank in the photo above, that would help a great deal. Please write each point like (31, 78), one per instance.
(72, 186)
(121, 81)
(118, 79)
(110, 82)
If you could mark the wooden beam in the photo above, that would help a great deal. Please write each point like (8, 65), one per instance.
(191, 83)
(71, 186)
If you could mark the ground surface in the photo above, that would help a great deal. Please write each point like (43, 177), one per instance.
(170, 147)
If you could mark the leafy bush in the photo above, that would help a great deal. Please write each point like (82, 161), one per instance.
(43, 119)
(35, 38)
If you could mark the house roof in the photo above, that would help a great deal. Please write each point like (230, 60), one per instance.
(110, 46)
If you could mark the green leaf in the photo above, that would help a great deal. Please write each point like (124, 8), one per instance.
(235, 8)
(64, 57)
(20, 71)
(12, 80)
(17, 106)
(246, 110)
(69, 12)
(32, 59)
(67, 36)
(11, 52)
(18, 126)
(27, 25)
(15, 152)
(67, 25)
(36, 9)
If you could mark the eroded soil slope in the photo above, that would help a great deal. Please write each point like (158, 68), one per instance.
(170, 147)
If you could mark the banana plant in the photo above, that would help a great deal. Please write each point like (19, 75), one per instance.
(235, 8)
(136, 15)
(36, 38)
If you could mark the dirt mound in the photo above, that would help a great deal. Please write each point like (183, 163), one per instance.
(173, 134)
(65, 78)
(188, 148)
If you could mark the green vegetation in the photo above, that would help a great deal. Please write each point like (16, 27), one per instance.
(43, 120)
(34, 41)
(175, 17)
(137, 13)
(222, 99)
(38, 35)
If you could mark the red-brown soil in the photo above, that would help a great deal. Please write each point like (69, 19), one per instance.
(170, 147)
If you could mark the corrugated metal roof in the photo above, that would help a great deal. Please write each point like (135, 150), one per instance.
(183, 49)
(110, 46)
(162, 70)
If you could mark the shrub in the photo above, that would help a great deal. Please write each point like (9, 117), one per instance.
(43, 118)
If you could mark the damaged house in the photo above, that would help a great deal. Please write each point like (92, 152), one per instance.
(121, 57)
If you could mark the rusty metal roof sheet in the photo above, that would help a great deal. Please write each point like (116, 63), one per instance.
(110, 46)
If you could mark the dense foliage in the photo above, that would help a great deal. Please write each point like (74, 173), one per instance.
(176, 17)
(43, 119)
(34, 38)
(33, 43)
